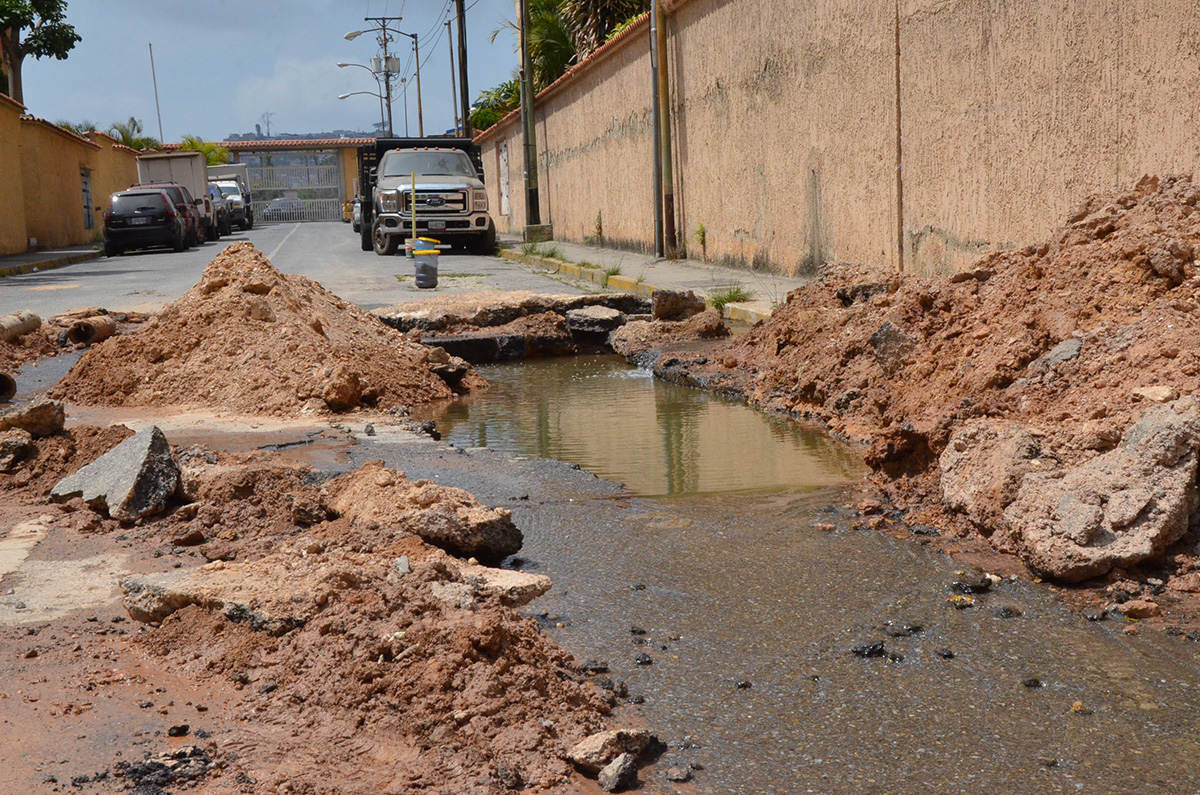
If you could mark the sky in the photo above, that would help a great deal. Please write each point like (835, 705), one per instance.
(223, 64)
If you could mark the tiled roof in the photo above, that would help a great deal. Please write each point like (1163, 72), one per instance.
(287, 143)
(28, 119)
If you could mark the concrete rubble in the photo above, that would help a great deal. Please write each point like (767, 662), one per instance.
(133, 480)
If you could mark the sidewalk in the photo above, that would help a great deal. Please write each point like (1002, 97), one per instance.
(643, 273)
(47, 259)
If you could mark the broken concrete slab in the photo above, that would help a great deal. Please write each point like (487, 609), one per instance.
(595, 319)
(16, 444)
(134, 479)
(982, 468)
(496, 308)
(595, 752)
(675, 304)
(1121, 508)
(512, 588)
(41, 418)
(620, 774)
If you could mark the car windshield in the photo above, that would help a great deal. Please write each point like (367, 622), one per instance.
(138, 203)
(229, 190)
(445, 164)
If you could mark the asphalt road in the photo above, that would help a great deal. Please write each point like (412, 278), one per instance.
(144, 281)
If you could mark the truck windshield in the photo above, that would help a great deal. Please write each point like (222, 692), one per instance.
(230, 189)
(430, 164)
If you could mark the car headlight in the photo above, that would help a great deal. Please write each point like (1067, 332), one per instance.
(389, 202)
(481, 201)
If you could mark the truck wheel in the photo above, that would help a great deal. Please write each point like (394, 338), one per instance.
(384, 245)
(484, 244)
(249, 223)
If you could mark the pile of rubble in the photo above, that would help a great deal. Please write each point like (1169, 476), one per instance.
(1034, 399)
(250, 339)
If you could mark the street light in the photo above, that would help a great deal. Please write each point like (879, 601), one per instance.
(417, 59)
(389, 65)
(382, 123)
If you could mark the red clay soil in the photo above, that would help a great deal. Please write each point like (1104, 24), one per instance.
(898, 363)
(249, 339)
(391, 681)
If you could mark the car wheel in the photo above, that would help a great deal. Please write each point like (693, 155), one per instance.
(357, 227)
(364, 235)
(250, 223)
(113, 250)
(180, 242)
(385, 245)
(227, 227)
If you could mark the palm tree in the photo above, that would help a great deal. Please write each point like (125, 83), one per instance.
(214, 153)
(81, 128)
(590, 21)
(551, 46)
(130, 134)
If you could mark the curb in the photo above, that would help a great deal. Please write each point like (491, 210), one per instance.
(739, 313)
(48, 264)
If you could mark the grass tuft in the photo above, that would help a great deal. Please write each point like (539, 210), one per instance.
(732, 294)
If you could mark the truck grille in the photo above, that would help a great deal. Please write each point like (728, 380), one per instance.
(435, 202)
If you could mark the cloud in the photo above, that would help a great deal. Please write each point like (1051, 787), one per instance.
(303, 95)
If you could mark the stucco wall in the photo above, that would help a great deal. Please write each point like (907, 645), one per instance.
(13, 238)
(115, 169)
(51, 162)
(785, 125)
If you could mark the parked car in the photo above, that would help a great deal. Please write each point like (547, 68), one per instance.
(237, 196)
(284, 210)
(186, 206)
(141, 218)
(356, 215)
(221, 209)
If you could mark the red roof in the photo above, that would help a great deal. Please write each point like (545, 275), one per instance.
(287, 143)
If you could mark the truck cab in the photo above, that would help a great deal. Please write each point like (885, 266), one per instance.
(437, 180)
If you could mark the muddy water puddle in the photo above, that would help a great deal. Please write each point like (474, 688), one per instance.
(657, 438)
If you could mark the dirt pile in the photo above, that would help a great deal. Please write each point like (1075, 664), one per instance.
(250, 339)
(1063, 345)
(322, 607)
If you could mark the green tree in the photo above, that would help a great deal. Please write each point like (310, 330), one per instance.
(32, 27)
(79, 128)
(129, 133)
(214, 153)
(590, 21)
(551, 45)
(494, 104)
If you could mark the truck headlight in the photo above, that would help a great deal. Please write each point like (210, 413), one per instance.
(481, 201)
(389, 202)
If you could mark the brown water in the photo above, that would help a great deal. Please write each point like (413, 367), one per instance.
(657, 438)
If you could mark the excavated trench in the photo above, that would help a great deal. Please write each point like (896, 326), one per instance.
(780, 646)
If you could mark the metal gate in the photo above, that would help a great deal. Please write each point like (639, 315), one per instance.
(296, 186)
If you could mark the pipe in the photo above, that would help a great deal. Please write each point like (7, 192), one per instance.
(8, 387)
(670, 237)
(91, 330)
(18, 324)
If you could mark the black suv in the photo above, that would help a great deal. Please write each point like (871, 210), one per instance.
(185, 205)
(140, 218)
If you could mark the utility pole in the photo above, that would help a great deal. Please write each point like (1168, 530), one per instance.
(533, 210)
(453, 87)
(404, 85)
(664, 99)
(417, 58)
(155, 78)
(390, 65)
(656, 123)
(464, 92)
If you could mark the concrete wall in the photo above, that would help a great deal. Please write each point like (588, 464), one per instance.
(13, 237)
(785, 126)
(41, 182)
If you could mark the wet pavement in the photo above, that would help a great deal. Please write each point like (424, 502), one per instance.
(751, 613)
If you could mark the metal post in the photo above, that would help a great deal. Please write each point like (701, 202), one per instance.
(668, 176)
(453, 87)
(463, 95)
(656, 118)
(533, 210)
(404, 85)
(387, 84)
(155, 77)
(420, 111)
